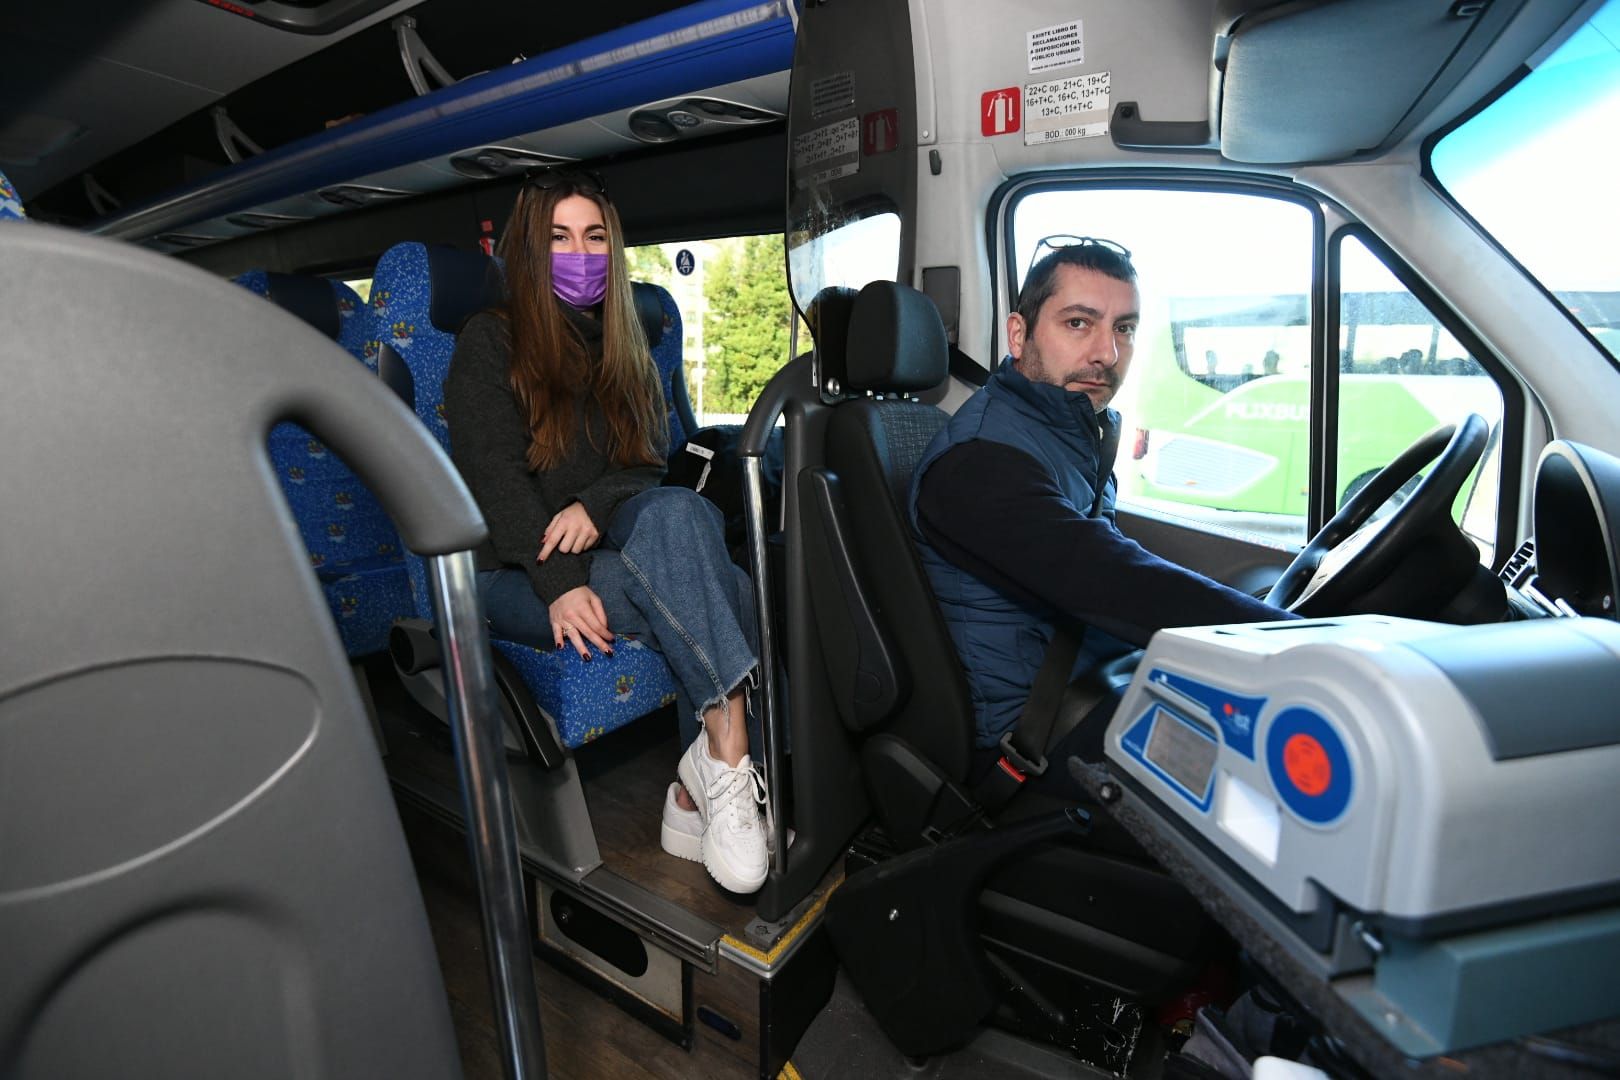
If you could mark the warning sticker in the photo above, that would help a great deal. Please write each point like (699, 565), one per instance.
(1058, 46)
(827, 152)
(1075, 108)
(831, 93)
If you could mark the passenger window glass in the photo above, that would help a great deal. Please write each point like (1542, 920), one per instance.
(733, 296)
(1401, 374)
(1536, 169)
(362, 288)
(1216, 406)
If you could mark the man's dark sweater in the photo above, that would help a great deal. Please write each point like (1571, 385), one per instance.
(996, 512)
(1013, 510)
(489, 442)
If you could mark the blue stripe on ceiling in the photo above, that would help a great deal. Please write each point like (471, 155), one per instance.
(701, 45)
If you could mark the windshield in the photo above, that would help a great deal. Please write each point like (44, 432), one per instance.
(1536, 169)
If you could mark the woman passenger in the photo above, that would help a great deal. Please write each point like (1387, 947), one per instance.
(558, 423)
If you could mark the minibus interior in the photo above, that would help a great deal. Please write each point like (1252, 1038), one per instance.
(274, 801)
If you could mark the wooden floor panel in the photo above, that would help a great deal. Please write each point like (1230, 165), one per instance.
(587, 1037)
(625, 776)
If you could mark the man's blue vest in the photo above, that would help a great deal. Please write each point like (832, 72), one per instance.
(1002, 642)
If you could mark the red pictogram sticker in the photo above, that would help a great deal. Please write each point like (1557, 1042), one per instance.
(880, 132)
(1307, 764)
(1001, 112)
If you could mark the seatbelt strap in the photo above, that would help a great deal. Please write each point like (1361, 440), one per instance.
(1023, 749)
(969, 370)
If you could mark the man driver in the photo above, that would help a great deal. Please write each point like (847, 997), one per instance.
(1012, 505)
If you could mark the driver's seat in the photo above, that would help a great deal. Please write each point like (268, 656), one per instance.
(1054, 911)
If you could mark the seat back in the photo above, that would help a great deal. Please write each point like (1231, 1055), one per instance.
(11, 206)
(353, 546)
(660, 317)
(420, 296)
(194, 818)
(888, 653)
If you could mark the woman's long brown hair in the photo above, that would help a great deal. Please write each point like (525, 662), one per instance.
(551, 366)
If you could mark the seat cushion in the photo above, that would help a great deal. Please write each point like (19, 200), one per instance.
(588, 700)
(366, 597)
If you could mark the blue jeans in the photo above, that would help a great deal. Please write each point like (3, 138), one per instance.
(663, 575)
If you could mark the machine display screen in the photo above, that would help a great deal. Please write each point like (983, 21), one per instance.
(1184, 751)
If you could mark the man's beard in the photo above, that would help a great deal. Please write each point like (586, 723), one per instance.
(1036, 371)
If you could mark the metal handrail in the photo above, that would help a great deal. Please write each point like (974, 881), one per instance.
(475, 724)
(751, 448)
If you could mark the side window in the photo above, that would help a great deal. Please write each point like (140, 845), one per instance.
(733, 296)
(1535, 168)
(1216, 406)
(1402, 373)
(362, 288)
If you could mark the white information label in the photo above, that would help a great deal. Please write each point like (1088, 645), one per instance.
(1058, 46)
(831, 93)
(827, 152)
(1075, 108)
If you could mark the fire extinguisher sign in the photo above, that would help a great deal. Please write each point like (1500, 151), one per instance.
(1001, 112)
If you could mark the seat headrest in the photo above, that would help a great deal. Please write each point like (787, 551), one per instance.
(11, 204)
(828, 320)
(460, 285)
(309, 298)
(649, 311)
(896, 340)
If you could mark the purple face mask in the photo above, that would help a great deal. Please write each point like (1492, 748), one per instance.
(579, 277)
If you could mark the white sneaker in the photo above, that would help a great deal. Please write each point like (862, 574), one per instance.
(728, 799)
(682, 832)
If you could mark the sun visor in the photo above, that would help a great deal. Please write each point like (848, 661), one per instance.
(1324, 80)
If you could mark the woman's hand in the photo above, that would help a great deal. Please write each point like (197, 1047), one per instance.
(577, 617)
(570, 532)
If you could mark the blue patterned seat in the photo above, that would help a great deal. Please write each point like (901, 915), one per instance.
(11, 206)
(420, 296)
(666, 354)
(353, 546)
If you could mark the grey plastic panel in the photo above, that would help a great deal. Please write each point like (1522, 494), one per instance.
(1569, 705)
(203, 873)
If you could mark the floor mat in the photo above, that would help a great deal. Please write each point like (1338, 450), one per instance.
(845, 1042)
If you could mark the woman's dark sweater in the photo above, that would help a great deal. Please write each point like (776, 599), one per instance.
(489, 442)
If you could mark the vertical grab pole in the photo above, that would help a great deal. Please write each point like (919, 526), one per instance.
(487, 801)
(754, 495)
(752, 452)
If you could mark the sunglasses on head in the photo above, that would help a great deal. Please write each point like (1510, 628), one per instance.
(1059, 241)
(583, 181)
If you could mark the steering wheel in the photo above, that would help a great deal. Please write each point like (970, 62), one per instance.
(1352, 553)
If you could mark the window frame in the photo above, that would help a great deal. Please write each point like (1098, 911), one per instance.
(1323, 400)
(1509, 479)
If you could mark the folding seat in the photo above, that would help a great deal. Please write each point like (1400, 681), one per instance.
(421, 295)
(352, 545)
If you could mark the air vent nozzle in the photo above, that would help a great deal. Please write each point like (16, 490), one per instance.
(494, 162)
(694, 116)
(254, 219)
(360, 195)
